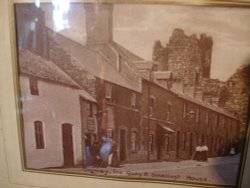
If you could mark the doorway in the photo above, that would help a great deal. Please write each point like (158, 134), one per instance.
(178, 144)
(122, 145)
(68, 155)
(191, 145)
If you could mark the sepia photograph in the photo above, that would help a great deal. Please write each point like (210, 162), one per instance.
(144, 92)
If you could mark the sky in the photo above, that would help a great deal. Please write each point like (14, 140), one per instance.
(136, 27)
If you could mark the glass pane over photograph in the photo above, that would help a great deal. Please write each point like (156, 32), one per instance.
(134, 91)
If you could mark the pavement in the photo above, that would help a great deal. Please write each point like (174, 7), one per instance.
(218, 170)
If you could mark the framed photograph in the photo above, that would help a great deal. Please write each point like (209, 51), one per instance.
(146, 91)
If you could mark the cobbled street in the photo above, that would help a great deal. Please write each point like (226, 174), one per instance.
(219, 170)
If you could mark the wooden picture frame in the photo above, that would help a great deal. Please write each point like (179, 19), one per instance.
(66, 87)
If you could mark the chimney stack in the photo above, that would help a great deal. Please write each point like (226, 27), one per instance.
(99, 24)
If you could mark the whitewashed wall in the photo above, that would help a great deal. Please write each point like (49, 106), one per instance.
(55, 105)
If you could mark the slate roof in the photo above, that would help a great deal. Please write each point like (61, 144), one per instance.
(33, 65)
(124, 52)
(93, 62)
(202, 103)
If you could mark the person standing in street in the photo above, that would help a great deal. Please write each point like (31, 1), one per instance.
(204, 152)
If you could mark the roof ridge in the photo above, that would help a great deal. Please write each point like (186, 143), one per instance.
(203, 103)
(98, 56)
(50, 65)
(128, 51)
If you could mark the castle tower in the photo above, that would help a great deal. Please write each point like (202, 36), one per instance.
(206, 44)
(99, 23)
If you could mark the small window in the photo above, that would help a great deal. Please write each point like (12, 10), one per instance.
(216, 120)
(184, 112)
(133, 100)
(166, 142)
(133, 141)
(39, 135)
(222, 122)
(108, 91)
(34, 86)
(110, 133)
(184, 139)
(231, 125)
(150, 142)
(207, 118)
(151, 105)
(168, 111)
(152, 101)
(197, 117)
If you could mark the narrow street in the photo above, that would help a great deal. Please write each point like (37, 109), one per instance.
(219, 170)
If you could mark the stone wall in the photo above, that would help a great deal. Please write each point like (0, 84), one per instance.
(189, 59)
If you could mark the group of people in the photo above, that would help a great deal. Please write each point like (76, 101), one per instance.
(201, 153)
(201, 150)
(231, 149)
(103, 154)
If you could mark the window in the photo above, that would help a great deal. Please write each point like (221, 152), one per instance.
(222, 122)
(110, 133)
(227, 124)
(184, 139)
(150, 142)
(39, 134)
(166, 142)
(151, 105)
(184, 112)
(216, 120)
(168, 111)
(197, 117)
(152, 101)
(133, 99)
(133, 141)
(231, 125)
(108, 91)
(207, 118)
(33, 86)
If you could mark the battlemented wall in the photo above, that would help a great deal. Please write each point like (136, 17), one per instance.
(189, 60)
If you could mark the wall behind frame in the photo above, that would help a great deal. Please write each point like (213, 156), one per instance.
(11, 175)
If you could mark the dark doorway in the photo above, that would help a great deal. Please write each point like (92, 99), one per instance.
(191, 148)
(178, 144)
(159, 141)
(68, 155)
(122, 145)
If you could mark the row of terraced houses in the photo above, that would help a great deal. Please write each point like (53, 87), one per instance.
(73, 94)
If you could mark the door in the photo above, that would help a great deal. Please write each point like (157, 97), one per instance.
(122, 145)
(68, 155)
(178, 144)
(159, 141)
(191, 145)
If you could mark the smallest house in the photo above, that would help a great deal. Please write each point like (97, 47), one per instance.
(53, 114)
